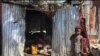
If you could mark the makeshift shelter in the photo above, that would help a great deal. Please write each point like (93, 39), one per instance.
(64, 22)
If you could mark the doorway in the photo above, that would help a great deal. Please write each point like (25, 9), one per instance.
(38, 29)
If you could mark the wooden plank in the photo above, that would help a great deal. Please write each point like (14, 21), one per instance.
(99, 21)
(0, 27)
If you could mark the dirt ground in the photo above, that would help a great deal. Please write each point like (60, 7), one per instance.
(26, 54)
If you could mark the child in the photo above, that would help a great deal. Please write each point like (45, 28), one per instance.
(76, 42)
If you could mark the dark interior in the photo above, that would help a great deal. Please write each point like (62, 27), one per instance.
(37, 21)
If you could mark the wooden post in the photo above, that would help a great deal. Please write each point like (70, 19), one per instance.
(99, 22)
(13, 29)
(0, 27)
(64, 23)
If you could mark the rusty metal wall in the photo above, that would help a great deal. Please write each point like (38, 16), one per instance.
(13, 30)
(86, 10)
(64, 23)
(90, 17)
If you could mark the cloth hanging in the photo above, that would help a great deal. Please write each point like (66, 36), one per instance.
(85, 43)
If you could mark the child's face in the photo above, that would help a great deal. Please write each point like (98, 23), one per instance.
(78, 31)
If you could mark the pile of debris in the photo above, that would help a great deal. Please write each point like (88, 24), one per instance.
(95, 47)
(41, 5)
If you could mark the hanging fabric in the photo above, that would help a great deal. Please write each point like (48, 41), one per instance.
(85, 41)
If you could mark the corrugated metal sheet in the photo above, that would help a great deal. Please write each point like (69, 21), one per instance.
(90, 15)
(13, 29)
(64, 23)
(86, 9)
